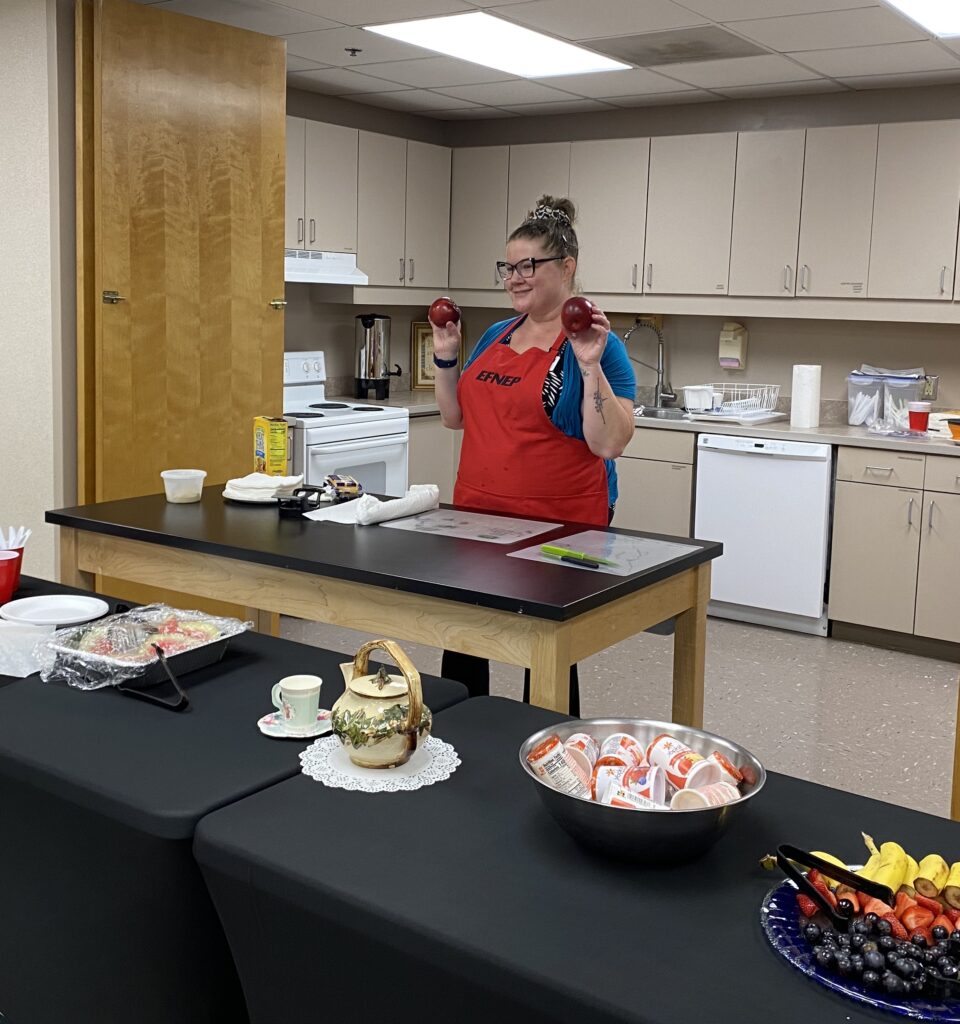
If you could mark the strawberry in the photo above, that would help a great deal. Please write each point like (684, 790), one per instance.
(953, 914)
(944, 922)
(927, 903)
(916, 917)
(871, 905)
(925, 932)
(896, 928)
(903, 903)
(821, 886)
(807, 907)
(813, 876)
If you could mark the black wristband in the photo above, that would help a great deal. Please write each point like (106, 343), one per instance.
(444, 364)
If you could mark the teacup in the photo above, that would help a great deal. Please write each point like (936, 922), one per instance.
(298, 700)
(954, 425)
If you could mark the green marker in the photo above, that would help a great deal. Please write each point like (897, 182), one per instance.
(552, 551)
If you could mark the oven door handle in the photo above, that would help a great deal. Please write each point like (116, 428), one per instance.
(385, 444)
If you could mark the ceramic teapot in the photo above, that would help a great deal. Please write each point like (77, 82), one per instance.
(381, 718)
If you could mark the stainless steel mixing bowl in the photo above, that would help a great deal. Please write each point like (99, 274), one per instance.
(650, 836)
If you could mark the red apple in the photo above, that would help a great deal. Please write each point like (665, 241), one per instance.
(577, 314)
(444, 311)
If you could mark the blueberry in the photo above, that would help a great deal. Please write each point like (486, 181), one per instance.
(893, 956)
(886, 942)
(856, 964)
(843, 941)
(929, 957)
(918, 940)
(940, 933)
(824, 956)
(906, 968)
(944, 961)
(874, 961)
(950, 970)
(871, 979)
(857, 941)
(813, 934)
(843, 966)
(871, 918)
(883, 927)
(893, 984)
(860, 928)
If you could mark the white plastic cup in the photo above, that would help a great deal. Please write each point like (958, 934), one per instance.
(183, 485)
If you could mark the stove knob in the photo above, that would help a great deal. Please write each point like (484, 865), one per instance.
(316, 365)
(306, 366)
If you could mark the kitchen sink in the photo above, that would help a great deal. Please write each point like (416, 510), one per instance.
(658, 414)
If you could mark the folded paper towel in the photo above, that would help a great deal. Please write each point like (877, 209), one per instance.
(261, 487)
(419, 498)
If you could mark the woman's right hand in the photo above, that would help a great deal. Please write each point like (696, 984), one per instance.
(446, 340)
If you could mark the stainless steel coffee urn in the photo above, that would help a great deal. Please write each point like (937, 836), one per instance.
(373, 351)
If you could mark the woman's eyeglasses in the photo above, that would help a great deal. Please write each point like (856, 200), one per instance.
(523, 269)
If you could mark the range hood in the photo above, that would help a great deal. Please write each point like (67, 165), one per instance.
(322, 267)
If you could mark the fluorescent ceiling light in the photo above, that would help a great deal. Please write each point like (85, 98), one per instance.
(941, 17)
(495, 43)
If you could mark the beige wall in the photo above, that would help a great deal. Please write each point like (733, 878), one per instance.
(31, 357)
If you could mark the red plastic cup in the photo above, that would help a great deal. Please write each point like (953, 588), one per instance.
(9, 571)
(919, 413)
(16, 581)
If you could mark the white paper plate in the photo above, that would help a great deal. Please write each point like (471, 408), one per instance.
(54, 610)
(248, 501)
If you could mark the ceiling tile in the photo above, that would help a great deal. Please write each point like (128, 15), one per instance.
(737, 10)
(634, 82)
(434, 72)
(469, 113)
(662, 99)
(679, 46)
(504, 93)
(711, 74)
(373, 12)
(892, 58)
(863, 27)
(567, 107)
(295, 63)
(818, 85)
(255, 15)
(903, 81)
(574, 19)
(330, 47)
(412, 99)
(340, 82)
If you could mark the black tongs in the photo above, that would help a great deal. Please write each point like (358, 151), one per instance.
(180, 703)
(788, 857)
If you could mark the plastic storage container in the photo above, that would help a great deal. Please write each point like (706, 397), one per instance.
(183, 485)
(864, 399)
(898, 392)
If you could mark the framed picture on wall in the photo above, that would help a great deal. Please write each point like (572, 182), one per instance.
(422, 370)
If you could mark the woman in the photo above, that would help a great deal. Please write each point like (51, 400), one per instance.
(544, 414)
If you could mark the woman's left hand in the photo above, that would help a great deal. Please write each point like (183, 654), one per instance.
(588, 345)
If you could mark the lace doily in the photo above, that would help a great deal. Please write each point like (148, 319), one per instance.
(327, 761)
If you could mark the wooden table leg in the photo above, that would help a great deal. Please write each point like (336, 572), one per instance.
(264, 622)
(689, 654)
(70, 573)
(955, 794)
(550, 669)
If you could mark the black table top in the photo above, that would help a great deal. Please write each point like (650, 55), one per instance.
(157, 770)
(470, 572)
(480, 879)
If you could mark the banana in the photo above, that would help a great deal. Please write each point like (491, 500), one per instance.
(913, 869)
(951, 888)
(931, 875)
(890, 866)
(829, 857)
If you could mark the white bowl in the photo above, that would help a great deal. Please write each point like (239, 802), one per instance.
(183, 485)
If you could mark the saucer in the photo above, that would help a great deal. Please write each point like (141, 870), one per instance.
(272, 725)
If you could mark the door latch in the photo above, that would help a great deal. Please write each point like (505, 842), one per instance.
(112, 298)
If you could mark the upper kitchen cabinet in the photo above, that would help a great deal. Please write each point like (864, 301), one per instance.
(915, 209)
(403, 222)
(836, 211)
(766, 213)
(321, 197)
(608, 182)
(690, 214)
(537, 169)
(478, 215)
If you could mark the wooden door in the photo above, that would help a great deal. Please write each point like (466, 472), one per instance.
(915, 210)
(876, 541)
(689, 214)
(766, 213)
(938, 584)
(330, 203)
(294, 225)
(478, 215)
(427, 227)
(382, 192)
(608, 182)
(536, 169)
(186, 195)
(836, 211)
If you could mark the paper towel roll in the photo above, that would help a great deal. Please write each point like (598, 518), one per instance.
(805, 399)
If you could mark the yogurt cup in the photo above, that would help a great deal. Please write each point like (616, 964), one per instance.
(616, 796)
(183, 486)
(625, 746)
(646, 781)
(683, 766)
(709, 796)
(583, 749)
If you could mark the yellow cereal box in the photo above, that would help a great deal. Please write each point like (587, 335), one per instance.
(270, 445)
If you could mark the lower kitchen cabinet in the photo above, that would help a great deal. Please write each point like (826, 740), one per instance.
(434, 454)
(876, 547)
(655, 475)
(938, 581)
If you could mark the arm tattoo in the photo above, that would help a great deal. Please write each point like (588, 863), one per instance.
(598, 401)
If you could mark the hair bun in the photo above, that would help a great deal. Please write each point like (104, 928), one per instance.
(560, 210)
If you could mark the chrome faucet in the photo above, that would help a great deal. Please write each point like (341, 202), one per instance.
(662, 393)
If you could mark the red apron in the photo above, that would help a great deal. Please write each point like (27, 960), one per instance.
(513, 459)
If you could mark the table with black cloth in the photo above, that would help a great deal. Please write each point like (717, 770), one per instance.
(466, 902)
(104, 916)
(449, 592)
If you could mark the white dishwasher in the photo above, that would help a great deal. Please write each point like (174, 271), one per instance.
(769, 503)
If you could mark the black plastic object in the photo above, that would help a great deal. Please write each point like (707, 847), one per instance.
(303, 499)
(162, 671)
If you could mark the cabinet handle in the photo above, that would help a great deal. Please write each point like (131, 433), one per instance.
(649, 275)
(403, 267)
(787, 283)
(804, 277)
(299, 229)
(633, 276)
(878, 469)
(910, 512)
(930, 515)
(313, 230)
(943, 279)
(412, 268)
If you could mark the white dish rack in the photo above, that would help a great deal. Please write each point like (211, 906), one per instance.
(731, 399)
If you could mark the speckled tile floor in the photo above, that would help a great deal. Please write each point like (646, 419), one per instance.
(851, 716)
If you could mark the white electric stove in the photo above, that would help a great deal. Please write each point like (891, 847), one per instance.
(359, 439)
